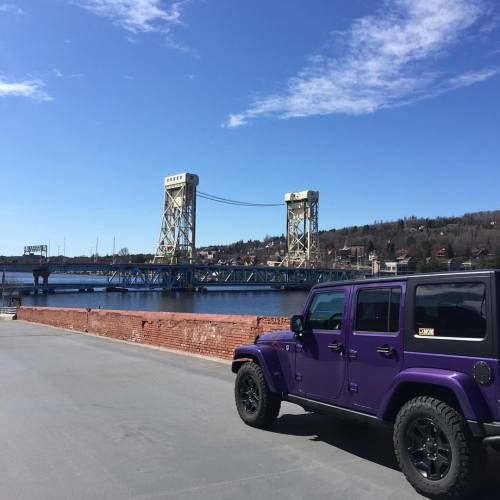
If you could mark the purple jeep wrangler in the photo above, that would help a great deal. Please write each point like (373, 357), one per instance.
(420, 353)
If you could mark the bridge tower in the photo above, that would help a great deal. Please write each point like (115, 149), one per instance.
(302, 229)
(176, 244)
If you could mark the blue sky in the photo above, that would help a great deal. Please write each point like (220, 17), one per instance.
(390, 108)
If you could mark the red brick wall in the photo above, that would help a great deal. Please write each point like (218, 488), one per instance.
(214, 335)
(71, 318)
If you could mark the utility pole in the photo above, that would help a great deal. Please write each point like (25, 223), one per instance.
(64, 249)
(96, 249)
(114, 259)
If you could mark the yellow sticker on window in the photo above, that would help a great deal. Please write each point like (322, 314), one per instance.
(426, 332)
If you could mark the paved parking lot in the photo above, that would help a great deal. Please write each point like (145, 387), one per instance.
(88, 418)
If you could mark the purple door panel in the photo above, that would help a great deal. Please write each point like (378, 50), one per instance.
(374, 351)
(320, 360)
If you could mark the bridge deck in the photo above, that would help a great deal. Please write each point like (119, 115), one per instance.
(173, 277)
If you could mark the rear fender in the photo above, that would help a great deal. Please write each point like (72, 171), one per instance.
(462, 385)
(267, 359)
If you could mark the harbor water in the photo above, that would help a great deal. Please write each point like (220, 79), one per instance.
(216, 301)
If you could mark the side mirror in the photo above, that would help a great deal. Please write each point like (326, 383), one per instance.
(297, 324)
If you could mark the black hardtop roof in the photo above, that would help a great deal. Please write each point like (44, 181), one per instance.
(406, 277)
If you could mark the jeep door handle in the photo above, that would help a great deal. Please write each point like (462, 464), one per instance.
(386, 350)
(335, 347)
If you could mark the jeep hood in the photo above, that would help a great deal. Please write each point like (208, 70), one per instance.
(284, 335)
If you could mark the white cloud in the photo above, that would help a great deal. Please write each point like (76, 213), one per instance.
(9, 7)
(138, 16)
(237, 120)
(384, 60)
(59, 74)
(29, 88)
(491, 25)
(472, 77)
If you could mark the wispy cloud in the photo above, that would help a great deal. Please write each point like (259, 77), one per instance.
(9, 7)
(138, 16)
(466, 79)
(29, 88)
(381, 61)
(491, 25)
(59, 74)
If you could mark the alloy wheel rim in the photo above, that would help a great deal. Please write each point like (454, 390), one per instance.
(428, 448)
(249, 394)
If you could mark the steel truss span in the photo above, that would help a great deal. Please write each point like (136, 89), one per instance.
(176, 276)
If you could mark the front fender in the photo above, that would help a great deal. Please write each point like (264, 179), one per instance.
(267, 358)
(463, 386)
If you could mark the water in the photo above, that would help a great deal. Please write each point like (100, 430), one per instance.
(262, 303)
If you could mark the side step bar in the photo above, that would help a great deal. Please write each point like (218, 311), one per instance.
(489, 432)
(329, 409)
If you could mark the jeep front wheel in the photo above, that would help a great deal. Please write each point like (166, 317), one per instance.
(434, 449)
(256, 404)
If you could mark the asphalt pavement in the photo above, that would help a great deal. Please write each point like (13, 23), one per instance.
(84, 417)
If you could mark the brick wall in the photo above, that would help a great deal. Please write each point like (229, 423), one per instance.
(214, 335)
(64, 317)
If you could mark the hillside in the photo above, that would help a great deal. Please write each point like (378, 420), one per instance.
(471, 236)
(463, 236)
(430, 243)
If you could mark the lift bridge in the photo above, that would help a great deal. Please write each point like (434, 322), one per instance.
(175, 266)
(176, 244)
(167, 277)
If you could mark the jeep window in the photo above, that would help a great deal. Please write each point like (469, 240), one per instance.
(377, 310)
(451, 310)
(326, 311)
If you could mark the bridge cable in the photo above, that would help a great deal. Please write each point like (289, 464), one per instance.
(227, 201)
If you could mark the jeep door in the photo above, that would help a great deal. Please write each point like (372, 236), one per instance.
(375, 343)
(320, 361)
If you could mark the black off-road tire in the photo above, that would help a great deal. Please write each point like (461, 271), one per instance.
(466, 456)
(261, 407)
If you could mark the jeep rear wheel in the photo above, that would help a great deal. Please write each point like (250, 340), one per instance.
(435, 450)
(256, 404)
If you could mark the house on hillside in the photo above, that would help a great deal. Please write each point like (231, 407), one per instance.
(358, 251)
(207, 255)
(353, 251)
(480, 252)
(344, 252)
(402, 254)
(395, 267)
(442, 253)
